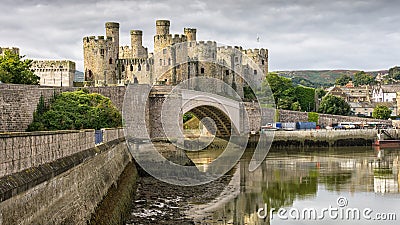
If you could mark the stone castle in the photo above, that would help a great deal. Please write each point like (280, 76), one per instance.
(13, 50)
(175, 58)
(56, 73)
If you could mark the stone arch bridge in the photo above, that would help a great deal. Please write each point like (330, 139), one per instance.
(144, 110)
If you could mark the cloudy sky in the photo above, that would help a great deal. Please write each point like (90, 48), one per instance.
(302, 34)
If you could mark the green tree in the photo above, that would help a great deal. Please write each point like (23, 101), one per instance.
(282, 89)
(306, 97)
(320, 92)
(15, 70)
(289, 96)
(334, 105)
(362, 78)
(187, 116)
(394, 73)
(76, 110)
(381, 112)
(248, 93)
(343, 80)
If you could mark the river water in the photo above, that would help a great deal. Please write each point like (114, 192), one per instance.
(357, 185)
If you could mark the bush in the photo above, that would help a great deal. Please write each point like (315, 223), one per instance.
(76, 110)
(381, 112)
(313, 117)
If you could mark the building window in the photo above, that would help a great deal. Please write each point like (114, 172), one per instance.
(262, 62)
(226, 72)
(255, 72)
(131, 67)
(110, 61)
(102, 52)
(202, 70)
(160, 62)
(169, 61)
(236, 59)
(147, 67)
(139, 68)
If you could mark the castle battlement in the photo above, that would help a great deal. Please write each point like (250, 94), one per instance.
(261, 51)
(206, 44)
(135, 61)
(96, 39)
(11, 49)
(228, 49)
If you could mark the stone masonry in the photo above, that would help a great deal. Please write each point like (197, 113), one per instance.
(19, 151)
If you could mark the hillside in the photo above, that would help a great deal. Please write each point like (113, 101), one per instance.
(318, 78)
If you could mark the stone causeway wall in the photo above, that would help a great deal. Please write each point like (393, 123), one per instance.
(69, 189)
(324, 119)
(19, 151)
(110, 134)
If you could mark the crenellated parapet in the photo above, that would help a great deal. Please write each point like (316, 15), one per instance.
(13, 50)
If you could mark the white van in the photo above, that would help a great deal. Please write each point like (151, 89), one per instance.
(347, 125)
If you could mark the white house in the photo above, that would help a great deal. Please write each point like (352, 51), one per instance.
(385, 93)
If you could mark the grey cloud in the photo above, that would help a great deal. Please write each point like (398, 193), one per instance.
(307, 34)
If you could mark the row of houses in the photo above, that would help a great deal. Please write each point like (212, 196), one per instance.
(363, 99)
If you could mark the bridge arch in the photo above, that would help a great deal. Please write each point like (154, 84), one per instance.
(225, 112)
(224, 127)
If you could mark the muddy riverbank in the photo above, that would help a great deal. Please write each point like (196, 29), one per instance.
(157, 202)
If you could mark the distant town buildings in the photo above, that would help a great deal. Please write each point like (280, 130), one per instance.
(364, 99)
(385, 93)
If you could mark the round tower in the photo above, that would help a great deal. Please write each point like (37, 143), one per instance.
(136, 38)
(190, 34)
(138, 51)
(162, 27)
(112, 30)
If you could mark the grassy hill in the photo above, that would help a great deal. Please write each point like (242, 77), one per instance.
(318, 78)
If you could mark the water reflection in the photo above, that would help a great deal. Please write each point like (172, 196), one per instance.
(366, 176)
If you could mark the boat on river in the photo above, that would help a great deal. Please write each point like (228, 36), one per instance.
(386, 143)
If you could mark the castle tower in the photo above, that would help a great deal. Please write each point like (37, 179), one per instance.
(100, 55)
(138, 51)
(190, 34)
(112, 30)
(162, 38)
(162, 27)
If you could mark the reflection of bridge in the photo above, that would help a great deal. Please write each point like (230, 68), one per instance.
(229, 115)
